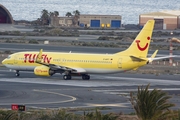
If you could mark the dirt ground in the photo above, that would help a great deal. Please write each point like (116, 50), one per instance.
(127, 117)
(2, 57)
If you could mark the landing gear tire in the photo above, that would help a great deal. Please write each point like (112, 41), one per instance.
(85, 77)
(17, 73)
(67, 77)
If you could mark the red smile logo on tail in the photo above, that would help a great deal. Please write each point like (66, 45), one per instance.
(142, 48)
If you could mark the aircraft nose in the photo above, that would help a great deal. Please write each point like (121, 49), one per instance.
(4, 61)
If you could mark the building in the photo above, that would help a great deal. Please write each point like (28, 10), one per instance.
(93, 21)
(169, 20)
(61, 21)
(5, 16)
(97, 21)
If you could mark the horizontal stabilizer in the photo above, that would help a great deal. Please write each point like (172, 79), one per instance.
(160, 58)
(137, 58)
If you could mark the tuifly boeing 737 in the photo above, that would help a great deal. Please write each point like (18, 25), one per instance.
(81, 64)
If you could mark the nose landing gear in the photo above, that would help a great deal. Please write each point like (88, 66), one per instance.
(17, 73)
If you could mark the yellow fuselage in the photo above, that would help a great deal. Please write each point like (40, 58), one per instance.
(87, 63)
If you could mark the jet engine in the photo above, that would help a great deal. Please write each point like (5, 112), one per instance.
(43, 71)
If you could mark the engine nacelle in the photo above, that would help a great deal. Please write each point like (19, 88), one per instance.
(42, 71)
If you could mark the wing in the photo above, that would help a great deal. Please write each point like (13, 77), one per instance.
(59, 68)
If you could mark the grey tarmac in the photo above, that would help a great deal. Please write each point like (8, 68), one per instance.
(110, 90)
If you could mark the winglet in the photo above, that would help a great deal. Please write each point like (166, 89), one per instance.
(39, 56)
(153, 56)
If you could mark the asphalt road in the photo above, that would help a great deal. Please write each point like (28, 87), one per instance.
(82, 38)
(110, 91)
(36, 47)
(91, 38)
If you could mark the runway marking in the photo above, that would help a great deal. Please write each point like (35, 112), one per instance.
(73, 98)
(170, 82)
(10, 70)
(97, 80)
(67, 83)
(88, 105)
(129, 90)
(57, 102)
(94, 83)
(126, 92)
(110, 105)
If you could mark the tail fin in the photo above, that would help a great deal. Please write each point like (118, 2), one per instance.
(140, 45)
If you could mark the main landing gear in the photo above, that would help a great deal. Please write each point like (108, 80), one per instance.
(17, 73)
(67, 77)
(84, 77)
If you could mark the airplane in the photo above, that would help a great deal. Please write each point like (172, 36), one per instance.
(82, 64)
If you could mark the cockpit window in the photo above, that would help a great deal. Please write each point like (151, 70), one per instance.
(9, 57)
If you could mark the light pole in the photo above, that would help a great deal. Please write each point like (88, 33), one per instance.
(171, 50)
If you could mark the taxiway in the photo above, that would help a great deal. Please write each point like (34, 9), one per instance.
(110, 91)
